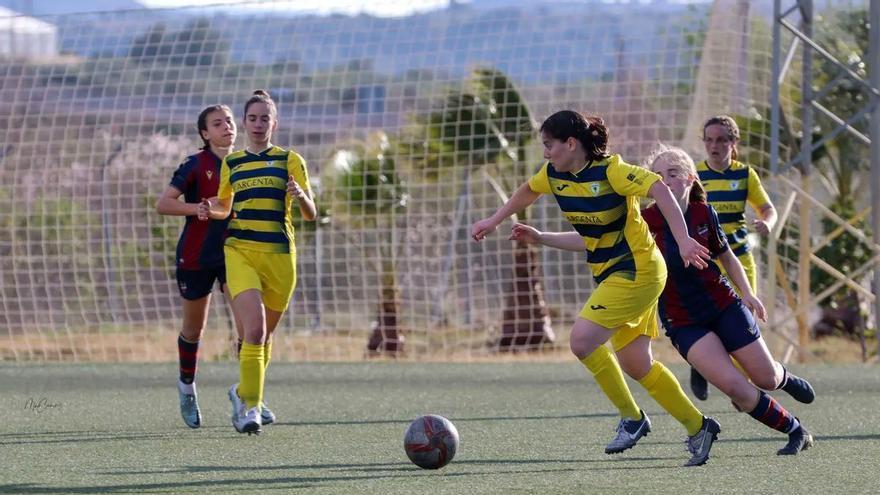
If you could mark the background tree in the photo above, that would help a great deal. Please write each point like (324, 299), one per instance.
(843, 167)
(365, 194)
(486, 128)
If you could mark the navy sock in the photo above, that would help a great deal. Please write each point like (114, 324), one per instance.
(772, 414)
(188, 352)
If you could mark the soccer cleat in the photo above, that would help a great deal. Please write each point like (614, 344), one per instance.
(798, 440)
(698, 385)
(267, 417)
(189, 409)
(237, 405)
(629, 431)
(798, 388)
(248, 422)
(700, 443)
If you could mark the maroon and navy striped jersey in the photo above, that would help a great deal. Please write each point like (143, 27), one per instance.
(691, 296)
(201, 242)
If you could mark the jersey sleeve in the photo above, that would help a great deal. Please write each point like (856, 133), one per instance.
(540, 182)
(630, 180)
(224, 190)
(296, 166)
(757, 195)
(717, 238)
(184, 177)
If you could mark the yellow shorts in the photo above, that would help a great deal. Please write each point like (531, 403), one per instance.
(628, 307)
(747, 260)
(273, 274)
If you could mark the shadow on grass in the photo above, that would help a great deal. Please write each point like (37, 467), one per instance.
(819, 438)
(368, 467)
(454, 419)
(78, 437)
(49, 437)
(284, 482)
(369, 471)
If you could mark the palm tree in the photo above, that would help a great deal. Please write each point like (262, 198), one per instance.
(365, 193)
(486, 128)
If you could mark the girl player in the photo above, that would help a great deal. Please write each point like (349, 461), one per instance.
(598, 194)
(260, 184)
(200, 248)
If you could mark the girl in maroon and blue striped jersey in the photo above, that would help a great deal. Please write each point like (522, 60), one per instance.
(199, 256)
(704, 317)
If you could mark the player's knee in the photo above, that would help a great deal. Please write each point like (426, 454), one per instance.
(254, 330)
(578, 348)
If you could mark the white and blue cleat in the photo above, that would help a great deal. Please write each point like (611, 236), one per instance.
(189, 408)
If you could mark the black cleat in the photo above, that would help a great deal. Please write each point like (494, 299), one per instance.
(698, 385)
(798, 440)
(798, 388)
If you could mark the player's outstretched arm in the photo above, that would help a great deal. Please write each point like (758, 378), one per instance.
(170, 204)
(569, 241)
(522, 198)
(692, 252)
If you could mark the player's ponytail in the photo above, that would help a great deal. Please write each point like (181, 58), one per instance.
(590, 131)
(202, 121)
(732, 130)
(261, 96)
(698, 193)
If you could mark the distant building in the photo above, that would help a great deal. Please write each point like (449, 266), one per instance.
(26, 37)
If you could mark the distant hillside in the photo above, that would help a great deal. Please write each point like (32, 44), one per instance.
(517, 40)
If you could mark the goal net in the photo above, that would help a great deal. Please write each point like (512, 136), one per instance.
(414, 125)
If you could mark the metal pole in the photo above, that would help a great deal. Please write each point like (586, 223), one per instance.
(874, 68)
(806, 152)
(770, 300)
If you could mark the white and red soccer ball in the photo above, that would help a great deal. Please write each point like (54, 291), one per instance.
(430, 441)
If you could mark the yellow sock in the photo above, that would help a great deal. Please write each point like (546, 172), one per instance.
(267, 354)
(607, 373)
(665, 389)
(252, 374)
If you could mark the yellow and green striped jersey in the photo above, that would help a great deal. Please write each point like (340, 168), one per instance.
(601, 203)
(257, 183)
(728, 192)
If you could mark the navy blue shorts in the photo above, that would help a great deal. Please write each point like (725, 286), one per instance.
(735, 326)
(196, 284)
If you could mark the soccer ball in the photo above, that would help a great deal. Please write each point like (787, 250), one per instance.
(430, 441)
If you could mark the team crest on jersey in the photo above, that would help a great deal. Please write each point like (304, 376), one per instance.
(594, 188)
(703, 230)
(209, 173)
(734, 185)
